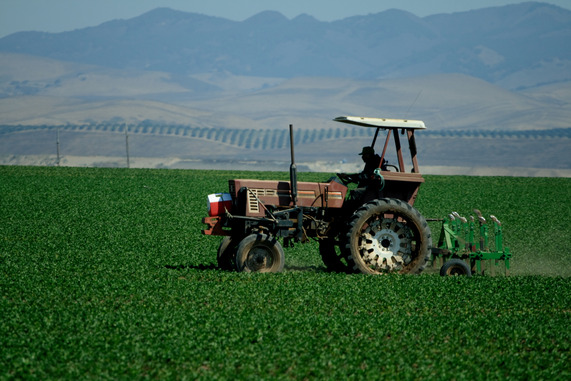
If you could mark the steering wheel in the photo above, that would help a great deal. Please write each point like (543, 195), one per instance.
(392, 166)
(344, 178)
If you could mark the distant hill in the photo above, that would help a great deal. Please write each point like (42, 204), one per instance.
(515, 46)
(492, 85)
(48, 92)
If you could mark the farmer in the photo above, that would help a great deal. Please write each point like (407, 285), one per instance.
(372, 161)
(368, 184)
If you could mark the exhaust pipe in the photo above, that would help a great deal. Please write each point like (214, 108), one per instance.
(292, 169)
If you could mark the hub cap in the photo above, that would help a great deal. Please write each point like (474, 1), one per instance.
(386, 245)
(259, 258)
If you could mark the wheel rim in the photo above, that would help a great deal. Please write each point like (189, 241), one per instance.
(386, 245)
(259, 258)
(388, 235)
(456, 270)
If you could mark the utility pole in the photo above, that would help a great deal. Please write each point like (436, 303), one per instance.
(127, 143)
(57, 146)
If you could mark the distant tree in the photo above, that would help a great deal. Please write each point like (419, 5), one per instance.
(273, 139)
(265, 139)
(242, 138)
(218, 134)
(281, 139)
(248, 140)
(225, 135)
(313, 136)
(234, 137)
(329, 134)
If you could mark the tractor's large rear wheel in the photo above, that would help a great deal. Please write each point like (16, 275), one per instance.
(388, 235)
(334, 255)
(260, 253)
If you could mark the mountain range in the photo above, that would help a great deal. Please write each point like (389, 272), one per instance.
(496, 44)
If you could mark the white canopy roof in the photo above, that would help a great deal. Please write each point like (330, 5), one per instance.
(382, 122)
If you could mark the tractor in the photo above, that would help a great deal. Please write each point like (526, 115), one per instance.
(374, 231)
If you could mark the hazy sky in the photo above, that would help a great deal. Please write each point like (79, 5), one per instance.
(65, 15)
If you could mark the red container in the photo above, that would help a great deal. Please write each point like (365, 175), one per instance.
(219, 203)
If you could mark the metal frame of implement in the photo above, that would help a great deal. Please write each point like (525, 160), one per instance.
(464, 239)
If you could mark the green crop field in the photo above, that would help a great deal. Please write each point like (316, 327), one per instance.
(104, 275)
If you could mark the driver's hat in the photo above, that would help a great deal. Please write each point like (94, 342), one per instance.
(367, 151)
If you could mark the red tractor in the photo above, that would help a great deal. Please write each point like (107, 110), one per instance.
(372, 229)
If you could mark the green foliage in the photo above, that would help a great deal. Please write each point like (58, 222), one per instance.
(104, 275)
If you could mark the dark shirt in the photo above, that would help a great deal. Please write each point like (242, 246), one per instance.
(366, 176)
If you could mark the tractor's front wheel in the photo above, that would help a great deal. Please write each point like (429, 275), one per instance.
(388, 235)
(226, 256)
(260, 253)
